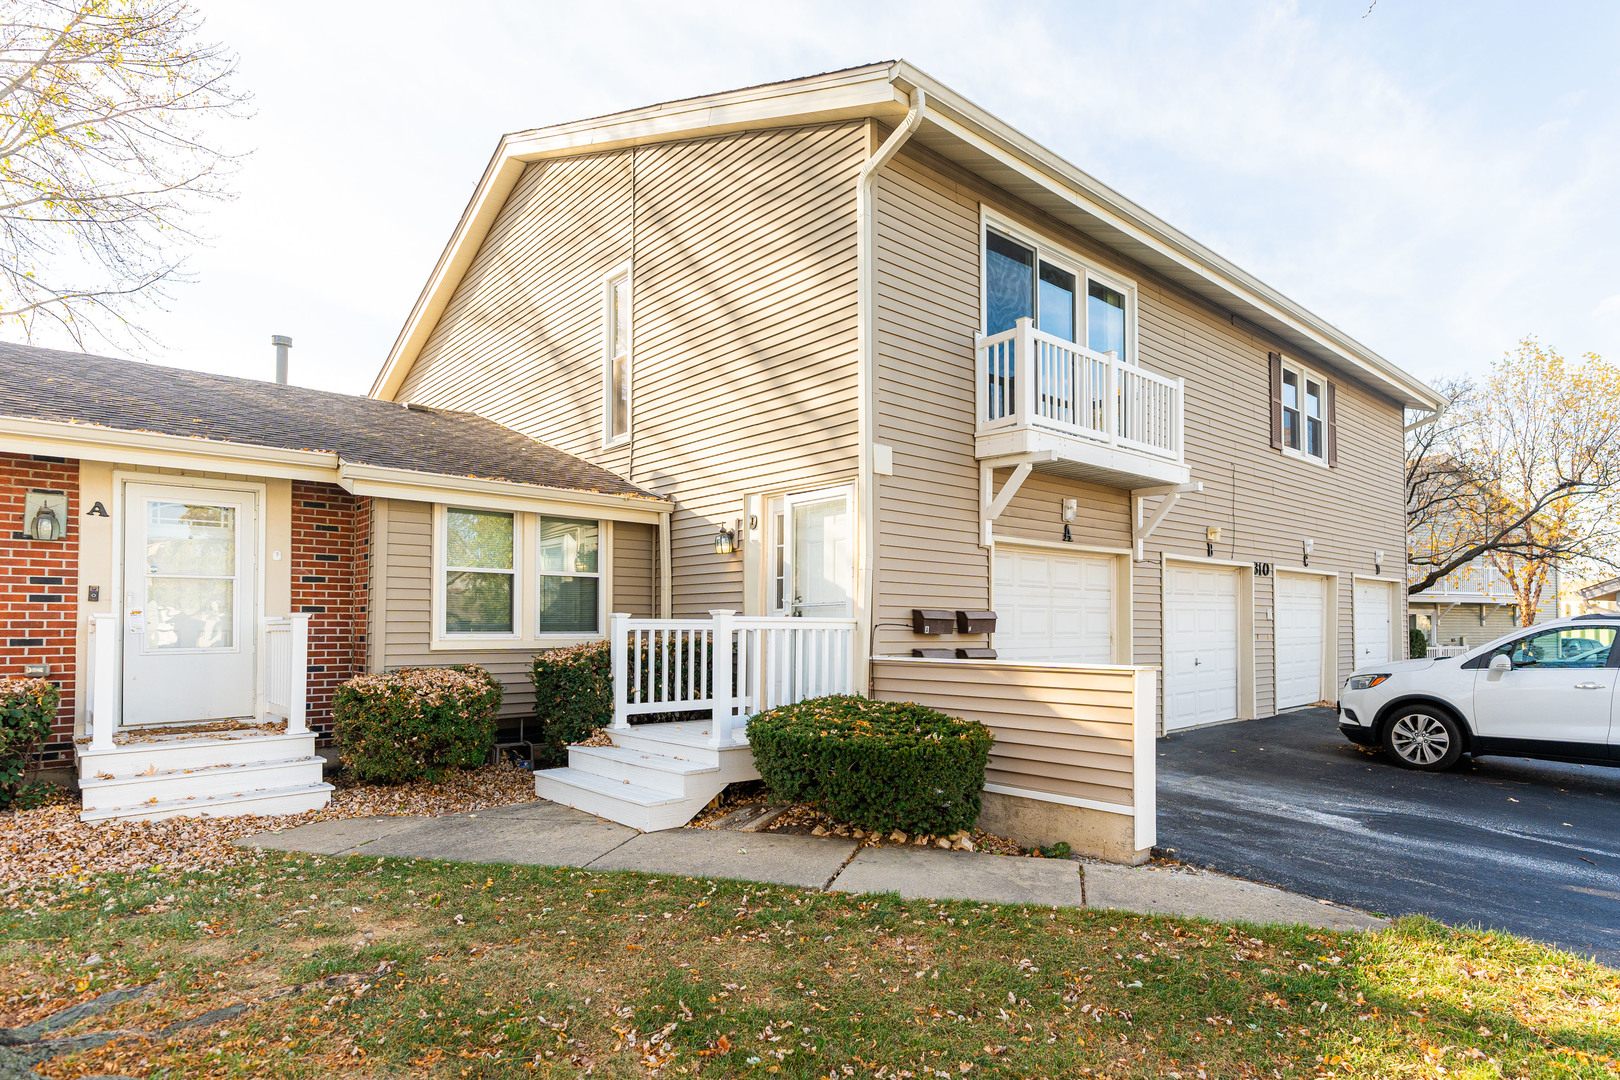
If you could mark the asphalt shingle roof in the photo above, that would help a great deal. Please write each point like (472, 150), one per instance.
(48, 384)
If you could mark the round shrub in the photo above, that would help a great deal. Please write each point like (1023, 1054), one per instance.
(416, 724)
(875, 764)
(27, 708)
(573, 698)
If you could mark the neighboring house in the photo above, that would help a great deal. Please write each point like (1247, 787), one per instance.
(1472, 605)
(1602, 597)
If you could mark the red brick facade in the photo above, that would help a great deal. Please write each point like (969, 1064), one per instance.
(39, 584)
(331, 542)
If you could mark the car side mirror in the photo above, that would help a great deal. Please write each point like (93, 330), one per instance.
(1501, 662)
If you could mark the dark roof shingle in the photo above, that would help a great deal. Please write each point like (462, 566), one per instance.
(49, 384)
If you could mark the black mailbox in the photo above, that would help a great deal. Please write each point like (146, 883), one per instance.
(975, 654)
(927, 621)
(933, 654)
(975, 622)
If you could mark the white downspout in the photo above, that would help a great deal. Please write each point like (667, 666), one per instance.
(866, 382)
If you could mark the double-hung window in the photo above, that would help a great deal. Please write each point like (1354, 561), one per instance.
(1304, 412)
(616, 360)
(570, 599)
(480, 572)
(1024, 279)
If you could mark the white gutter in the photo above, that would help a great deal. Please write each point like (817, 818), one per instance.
(866, 379)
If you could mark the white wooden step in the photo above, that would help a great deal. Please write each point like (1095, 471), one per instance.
(628, 804)
(284, 800)
(170, 752)
(174, 784)
(656, 771)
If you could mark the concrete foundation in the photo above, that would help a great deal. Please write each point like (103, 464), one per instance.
(1035, 822)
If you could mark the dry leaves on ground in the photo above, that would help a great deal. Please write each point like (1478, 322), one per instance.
(51, 842)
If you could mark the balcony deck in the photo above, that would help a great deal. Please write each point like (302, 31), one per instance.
(1077, 413)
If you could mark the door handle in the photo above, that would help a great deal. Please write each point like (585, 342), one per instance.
(1590, 686)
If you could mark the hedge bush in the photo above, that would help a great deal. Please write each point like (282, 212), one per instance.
(573, 698)
(877, 764)
(1417, 644)
(417, 723)
(27, 708)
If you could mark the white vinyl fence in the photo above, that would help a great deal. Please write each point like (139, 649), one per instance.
(727, 665)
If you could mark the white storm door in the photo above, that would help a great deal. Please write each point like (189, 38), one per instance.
(1374, 607)
(819, 554)
(1201, 646)
(1301, 636)
(1054, 606)
(190, 590)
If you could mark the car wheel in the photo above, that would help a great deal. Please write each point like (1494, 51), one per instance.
(1423, 737)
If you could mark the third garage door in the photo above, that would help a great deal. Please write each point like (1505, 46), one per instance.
(1201, 645)
(1301, 637)
(1054, 606)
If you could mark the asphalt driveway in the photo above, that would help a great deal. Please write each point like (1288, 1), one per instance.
(1532, 847)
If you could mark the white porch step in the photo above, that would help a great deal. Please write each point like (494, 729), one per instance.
(294, 799)
(168, 785)
(638, 767)
(641, 808)
(171, 752)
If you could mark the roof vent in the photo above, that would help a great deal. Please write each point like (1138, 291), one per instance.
(282, 343)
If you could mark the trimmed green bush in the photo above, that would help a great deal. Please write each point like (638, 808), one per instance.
(1417, 644)
(416, 724)
(573, 698)
(27, 707)
(877, 764)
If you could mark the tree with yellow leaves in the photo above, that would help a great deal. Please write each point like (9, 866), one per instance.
(105, 151)
(1522, 475)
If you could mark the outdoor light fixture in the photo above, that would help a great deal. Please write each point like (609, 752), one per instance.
(1307, 546)
(1212, 536)
(46, 526)
(725, 541)
(1378, 562)
(1071, 509)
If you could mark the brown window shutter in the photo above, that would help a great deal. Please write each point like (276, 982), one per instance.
(1276, 401)
(1330, 405)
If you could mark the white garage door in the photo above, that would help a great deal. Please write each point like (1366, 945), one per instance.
(1054, 606)
(1374, 605)
(1201, 645)
(1301, 635)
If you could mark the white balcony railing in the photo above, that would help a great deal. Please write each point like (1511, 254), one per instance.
(285, 670)
(728, 665)
(1027, 378)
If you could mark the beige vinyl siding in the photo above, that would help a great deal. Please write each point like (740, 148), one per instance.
(1264, 503)
(744, 324)
(1462, 624)
(1065, 731)
(635, 569)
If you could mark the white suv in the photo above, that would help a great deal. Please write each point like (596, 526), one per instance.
(1547, 691)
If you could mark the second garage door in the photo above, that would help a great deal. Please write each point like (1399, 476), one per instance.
(1054, 606)
(1201, 645)
(1301, 636)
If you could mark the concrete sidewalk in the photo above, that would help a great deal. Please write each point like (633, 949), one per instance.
(546, 834)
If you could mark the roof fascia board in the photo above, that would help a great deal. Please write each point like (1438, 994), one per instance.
(848, 95)
(1016, 151)
(407, 484)
(87, 442)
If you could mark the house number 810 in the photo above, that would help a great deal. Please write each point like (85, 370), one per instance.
(1262, 569)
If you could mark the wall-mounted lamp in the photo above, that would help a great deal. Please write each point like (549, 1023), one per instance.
(45, 515)
(725, 541)
(45, 526)
(1071, 510)
(1212, 536)
(1378, 562)
(1306, 547)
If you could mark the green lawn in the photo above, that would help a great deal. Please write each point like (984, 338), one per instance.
(520, 971)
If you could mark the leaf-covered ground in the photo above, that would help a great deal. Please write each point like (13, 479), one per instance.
(417, 968)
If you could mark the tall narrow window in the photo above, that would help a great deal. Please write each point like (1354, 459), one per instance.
(1057, 301)
(617, 376)
(1290, 409)
(1105, 320)
(570, 576)
(478, 572)
(1315, 443)
(1009, 273)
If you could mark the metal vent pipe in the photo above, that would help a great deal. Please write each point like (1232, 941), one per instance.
(282, 343)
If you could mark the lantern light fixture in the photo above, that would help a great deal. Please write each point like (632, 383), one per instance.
(46, 525)
(725, 541)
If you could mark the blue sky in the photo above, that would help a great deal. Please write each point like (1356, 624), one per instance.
(1436, 179)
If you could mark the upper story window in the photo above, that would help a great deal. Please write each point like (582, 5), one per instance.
(1303, 420)
(616, 361)
(1026, 279)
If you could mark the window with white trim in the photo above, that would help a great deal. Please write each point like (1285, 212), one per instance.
(1304, 413)
(1025, 278)
(570, 586)
(616, 360)
(480, 572)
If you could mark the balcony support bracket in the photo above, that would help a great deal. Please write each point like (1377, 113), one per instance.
(992, 502)
(1142, 525)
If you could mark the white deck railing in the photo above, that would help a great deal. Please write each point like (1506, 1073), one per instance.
(101, 682)
(285, 667)
(1027, 378)
(728, 665)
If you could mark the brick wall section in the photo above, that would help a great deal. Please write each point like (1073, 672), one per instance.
(330, 550)
(39, 585)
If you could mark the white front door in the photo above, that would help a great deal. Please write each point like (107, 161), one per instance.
(1201, 646)
(1054, 606)
(1301, 637)
(1374, 606)
(816, 554)
(190, 590)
